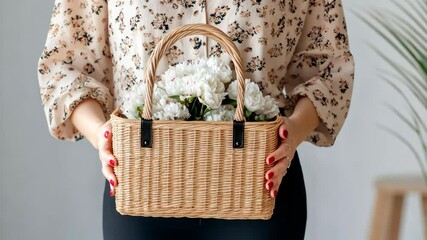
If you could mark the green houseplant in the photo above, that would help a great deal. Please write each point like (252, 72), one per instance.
(406, 31)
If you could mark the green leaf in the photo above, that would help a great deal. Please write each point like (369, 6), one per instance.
(229, 101)
(247, 113)
(414, 33)
(407, 51)
(176, 97)
(406, 75)
(411, 107)
(410, 146)
(422, 4)
(415, 91)
(413, 16)
(385, 36)
(191, 99)
(403, 118)
(413, 83)
(207, 110)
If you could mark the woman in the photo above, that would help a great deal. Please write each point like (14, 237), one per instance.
(297, 51)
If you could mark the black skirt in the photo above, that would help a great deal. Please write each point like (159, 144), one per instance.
(288, 220)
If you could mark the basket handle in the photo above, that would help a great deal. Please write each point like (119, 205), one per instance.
(194, 29)
(150, 71)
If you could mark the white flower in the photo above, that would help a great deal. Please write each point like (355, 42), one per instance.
(212, 100)
(202, 78)
(134, 100)
(232, 90)
(254, 100)
(219, 68)
(163, 107)
(166, 109)
(224, 113)
(270, 109)
(205, 79)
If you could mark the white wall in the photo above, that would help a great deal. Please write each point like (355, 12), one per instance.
(52, 190)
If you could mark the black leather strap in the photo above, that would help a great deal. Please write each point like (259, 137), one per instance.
(146, 133)
(238, 134)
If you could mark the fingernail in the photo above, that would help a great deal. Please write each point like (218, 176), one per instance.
(285, 133)
(112, 163)
(106, 134)
(270, 160)
(275, 193)
(270, 185)
(112, 182)
(270, 175)
(111, 193)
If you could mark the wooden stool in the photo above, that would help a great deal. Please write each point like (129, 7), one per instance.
(388, 207)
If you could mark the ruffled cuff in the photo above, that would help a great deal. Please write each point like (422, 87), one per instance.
(62, 105)
(315, 90)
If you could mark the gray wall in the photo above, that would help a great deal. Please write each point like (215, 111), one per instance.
(53, 190)
(49, 189)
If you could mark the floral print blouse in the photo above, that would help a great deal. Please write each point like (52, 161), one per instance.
(290, 48)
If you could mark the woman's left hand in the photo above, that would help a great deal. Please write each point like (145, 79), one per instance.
(282, 157)
(293, 131)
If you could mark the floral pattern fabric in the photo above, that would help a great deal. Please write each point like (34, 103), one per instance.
(98, 49)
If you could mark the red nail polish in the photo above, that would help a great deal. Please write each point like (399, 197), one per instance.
(275, 193)
(270, 160)
(270, 185)
(112, 163)
(112, 182)
(111, 193)
(270, 175)
(106, 134)
(285, 133)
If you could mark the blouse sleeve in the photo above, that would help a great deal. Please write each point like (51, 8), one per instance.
(75, 64)
(323, 68)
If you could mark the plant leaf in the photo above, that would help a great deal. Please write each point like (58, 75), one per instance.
(414, 33)
(410, 54)
(413, 84)
(409, 145)
(384, 35)
(229, 101)
(413, 16)
(403, 118)
(416, 92)
(411, 107)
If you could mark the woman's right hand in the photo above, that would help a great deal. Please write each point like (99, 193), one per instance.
(89, 119)
(108, 161)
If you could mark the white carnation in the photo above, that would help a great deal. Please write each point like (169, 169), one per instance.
(254, 99)
(270, 109)
(202, 78)
(224, 113)
(219, 68)
(133, 100)
(163, 107)
(232, 90)
(166, 109)
(206, 79)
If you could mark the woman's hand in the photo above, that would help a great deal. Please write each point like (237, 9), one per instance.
(282, 157)
(108, 161)
(89, 119)
(292, 133)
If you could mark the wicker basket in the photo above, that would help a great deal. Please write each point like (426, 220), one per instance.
(195, 169)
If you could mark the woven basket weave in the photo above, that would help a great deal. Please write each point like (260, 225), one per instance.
(193, 168)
